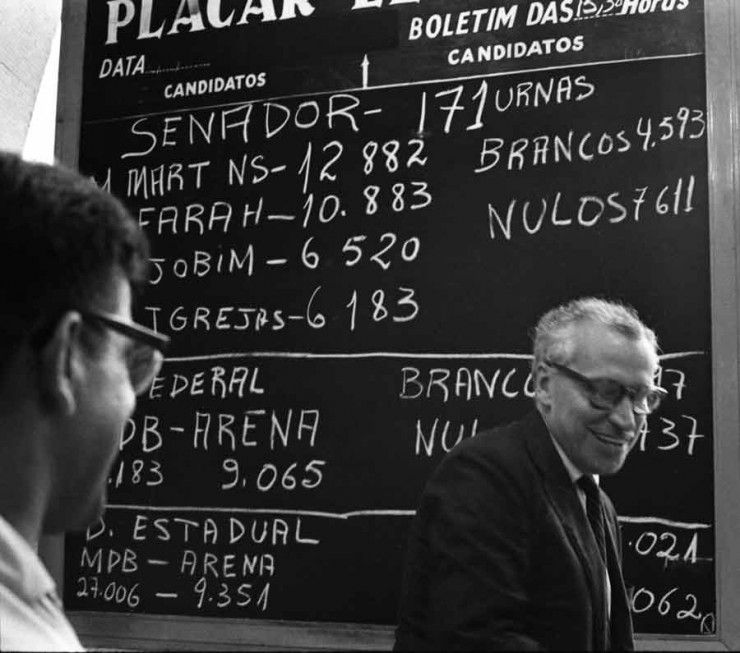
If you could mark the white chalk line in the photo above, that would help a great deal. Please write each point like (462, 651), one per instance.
(380, 354)
(362, 513)
(267, 511)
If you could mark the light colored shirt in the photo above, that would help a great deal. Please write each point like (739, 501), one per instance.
(31, 616)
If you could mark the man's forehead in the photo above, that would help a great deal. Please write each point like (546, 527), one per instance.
(595, 339)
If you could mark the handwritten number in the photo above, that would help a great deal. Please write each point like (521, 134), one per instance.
(645, 129)
(313, 468)
(407, 300)
(664, 606)
(371, 195)
(390, 149)
(354, 250)
(697, 115)
(315, 320)
(666, 124)
(380, 312)
(691, 551)
(420, 191)
(137, 467)
(410, 249)
(391, 238)
(415, 157)
(352, 306)
(230, 466)
(398, 204)
(325, 174)
(669, 431)
(200, 590)
(636, 597)
(223, 596)
(309, 257)
(83, 587)
(691, 612)
(369, 152)
(156, 470)
(683, 118)
(306, 166)
(668, 553)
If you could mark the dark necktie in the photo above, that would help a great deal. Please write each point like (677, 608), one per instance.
(593, 510)
(596, 520)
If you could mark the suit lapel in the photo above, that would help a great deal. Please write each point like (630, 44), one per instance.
(564, 500)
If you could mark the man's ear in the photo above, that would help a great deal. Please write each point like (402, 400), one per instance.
(61, 364)
(543, 385)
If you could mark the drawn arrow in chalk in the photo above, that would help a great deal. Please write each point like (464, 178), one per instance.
(365, 67)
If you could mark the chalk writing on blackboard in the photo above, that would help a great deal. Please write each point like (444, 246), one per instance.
(351, 238)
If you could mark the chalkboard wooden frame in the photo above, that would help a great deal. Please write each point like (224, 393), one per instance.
(723, 99)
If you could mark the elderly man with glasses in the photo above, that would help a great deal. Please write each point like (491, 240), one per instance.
(71, 364)
(514, 545)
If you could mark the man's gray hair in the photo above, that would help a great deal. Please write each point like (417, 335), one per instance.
(551, 335)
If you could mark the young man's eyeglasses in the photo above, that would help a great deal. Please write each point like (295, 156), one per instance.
(607, 394)
(144, 358)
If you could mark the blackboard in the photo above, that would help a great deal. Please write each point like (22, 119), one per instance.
(358, 211)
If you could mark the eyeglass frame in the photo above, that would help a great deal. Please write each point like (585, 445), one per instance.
(137, 332)
(133, 330)
(625, 391)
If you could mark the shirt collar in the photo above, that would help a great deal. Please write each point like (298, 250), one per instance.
(21, 570)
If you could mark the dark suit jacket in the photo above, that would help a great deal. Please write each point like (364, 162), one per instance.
(501, 554)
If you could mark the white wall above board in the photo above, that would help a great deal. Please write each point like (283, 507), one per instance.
(39, 143)
(27, 32)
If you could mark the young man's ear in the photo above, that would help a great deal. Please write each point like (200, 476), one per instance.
(61, 364)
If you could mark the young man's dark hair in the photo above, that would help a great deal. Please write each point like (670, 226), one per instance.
(63, 238)
(71, 364)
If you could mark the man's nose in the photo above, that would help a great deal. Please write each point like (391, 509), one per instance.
(623, 415)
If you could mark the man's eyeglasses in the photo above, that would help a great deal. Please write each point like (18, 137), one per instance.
(144, 358)
(607, 394)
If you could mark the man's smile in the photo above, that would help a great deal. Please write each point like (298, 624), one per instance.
(612, 440)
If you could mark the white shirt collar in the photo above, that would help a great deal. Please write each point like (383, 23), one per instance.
(21, 570)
